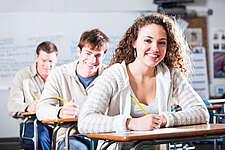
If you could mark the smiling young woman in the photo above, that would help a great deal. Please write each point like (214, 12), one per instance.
(150, 65)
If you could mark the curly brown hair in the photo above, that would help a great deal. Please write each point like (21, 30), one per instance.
(177, 47)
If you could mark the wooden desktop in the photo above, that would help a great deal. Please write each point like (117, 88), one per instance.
(165, 135)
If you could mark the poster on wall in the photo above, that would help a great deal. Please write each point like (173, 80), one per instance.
(219, 53)
(219, 64)
(199, 77)
(219, 40)
(194, 36)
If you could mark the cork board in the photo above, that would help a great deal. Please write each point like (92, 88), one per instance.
(200, 22)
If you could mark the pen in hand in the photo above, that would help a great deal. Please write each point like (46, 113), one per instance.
(69, 109)
(35, 97)
(139, 105)
(61, 99)
(148, 122)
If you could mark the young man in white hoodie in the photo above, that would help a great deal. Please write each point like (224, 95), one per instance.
(73, 82)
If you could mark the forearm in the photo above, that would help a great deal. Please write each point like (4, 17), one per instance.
(93, 117)
(48, 106)
(15, 109)
(186, 117)
(47, 112)
(16, 104)
(193, 111)
(94, 122)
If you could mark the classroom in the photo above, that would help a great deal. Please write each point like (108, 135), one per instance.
(26, 23)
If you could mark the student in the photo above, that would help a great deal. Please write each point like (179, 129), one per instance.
(150, 64)
(73, 82)
(28, 81)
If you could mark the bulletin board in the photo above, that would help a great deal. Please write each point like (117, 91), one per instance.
(196, 35)
(197, 23)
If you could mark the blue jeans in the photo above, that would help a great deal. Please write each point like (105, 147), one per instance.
(75, 143)
(44, 136)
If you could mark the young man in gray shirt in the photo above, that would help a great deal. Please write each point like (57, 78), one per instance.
(27, 83)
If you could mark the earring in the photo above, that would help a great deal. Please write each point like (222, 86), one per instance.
(135, 52)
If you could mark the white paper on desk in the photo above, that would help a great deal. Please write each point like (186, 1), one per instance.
(156, 131)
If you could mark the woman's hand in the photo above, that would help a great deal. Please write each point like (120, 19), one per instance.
(164, 121)
(69, 110)
(149, 122)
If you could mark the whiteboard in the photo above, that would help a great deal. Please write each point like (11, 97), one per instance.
(20, 33)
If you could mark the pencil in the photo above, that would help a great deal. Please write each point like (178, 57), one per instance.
(139, 105)
(35, 97)
(61, 98)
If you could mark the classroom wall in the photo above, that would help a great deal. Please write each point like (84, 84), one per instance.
(8, 126)
(215, 22)
(74, 6)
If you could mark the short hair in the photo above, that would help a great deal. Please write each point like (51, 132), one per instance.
(47, 47)
(94, 37)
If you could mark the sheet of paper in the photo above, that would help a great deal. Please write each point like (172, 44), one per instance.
(157, 131)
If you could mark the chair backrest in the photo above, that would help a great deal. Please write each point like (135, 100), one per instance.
(223, 112)
(211, 112)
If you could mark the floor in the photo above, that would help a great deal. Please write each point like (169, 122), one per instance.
(9, 146)
(14, 145)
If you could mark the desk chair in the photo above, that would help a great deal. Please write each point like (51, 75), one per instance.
(29, 116)
(213, 110)
(69, 123)
(221, 118)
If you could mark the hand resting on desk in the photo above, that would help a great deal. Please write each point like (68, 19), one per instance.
(148, 122)
(69, 110)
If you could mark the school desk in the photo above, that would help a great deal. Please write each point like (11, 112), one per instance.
(30, 116)
(164, 135)
(214, 107)
(214, 101)
(68, 123)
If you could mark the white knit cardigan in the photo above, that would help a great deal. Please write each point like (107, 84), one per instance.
(109, 104)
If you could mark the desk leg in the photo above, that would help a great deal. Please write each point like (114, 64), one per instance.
(23, 127)
(67, 145)
(138, 144)
(92, 145)
(54, 135)
(35, 138)
(103, 147)
(174, 145)
(214, 122)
